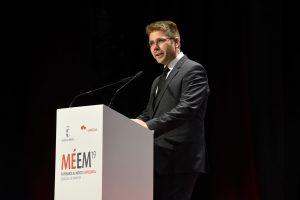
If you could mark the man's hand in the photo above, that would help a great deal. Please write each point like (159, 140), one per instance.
(140, 122)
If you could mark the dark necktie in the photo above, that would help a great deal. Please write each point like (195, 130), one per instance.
(161, 81)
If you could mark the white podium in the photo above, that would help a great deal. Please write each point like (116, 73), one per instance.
(102, 155)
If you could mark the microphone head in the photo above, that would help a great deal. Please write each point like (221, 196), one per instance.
(126, 79)
(138, 74)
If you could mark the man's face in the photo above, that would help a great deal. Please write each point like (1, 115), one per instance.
(162, 47)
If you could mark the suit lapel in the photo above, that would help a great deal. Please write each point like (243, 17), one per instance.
(169, 79)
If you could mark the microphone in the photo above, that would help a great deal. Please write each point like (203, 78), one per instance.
(114, 96)
(94, 90)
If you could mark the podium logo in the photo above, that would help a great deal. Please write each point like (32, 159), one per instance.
(68, 131)
(67, 136)
(76, 165)
(84, 128)
(77, 160)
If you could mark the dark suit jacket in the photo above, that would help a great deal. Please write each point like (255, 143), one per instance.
(178, 119)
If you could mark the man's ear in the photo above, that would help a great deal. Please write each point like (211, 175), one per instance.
(177, 42)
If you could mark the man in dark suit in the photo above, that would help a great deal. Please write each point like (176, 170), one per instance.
(175, 111)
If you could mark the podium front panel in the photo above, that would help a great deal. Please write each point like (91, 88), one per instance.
(78, 164)
(102, 155)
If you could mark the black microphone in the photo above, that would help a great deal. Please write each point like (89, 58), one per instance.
(94, 90)
(114, 96)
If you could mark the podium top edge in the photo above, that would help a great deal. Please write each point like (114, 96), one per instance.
(87, 106)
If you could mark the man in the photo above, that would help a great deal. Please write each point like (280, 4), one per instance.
(175, 111)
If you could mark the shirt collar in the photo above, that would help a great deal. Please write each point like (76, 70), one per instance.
(172, 64)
